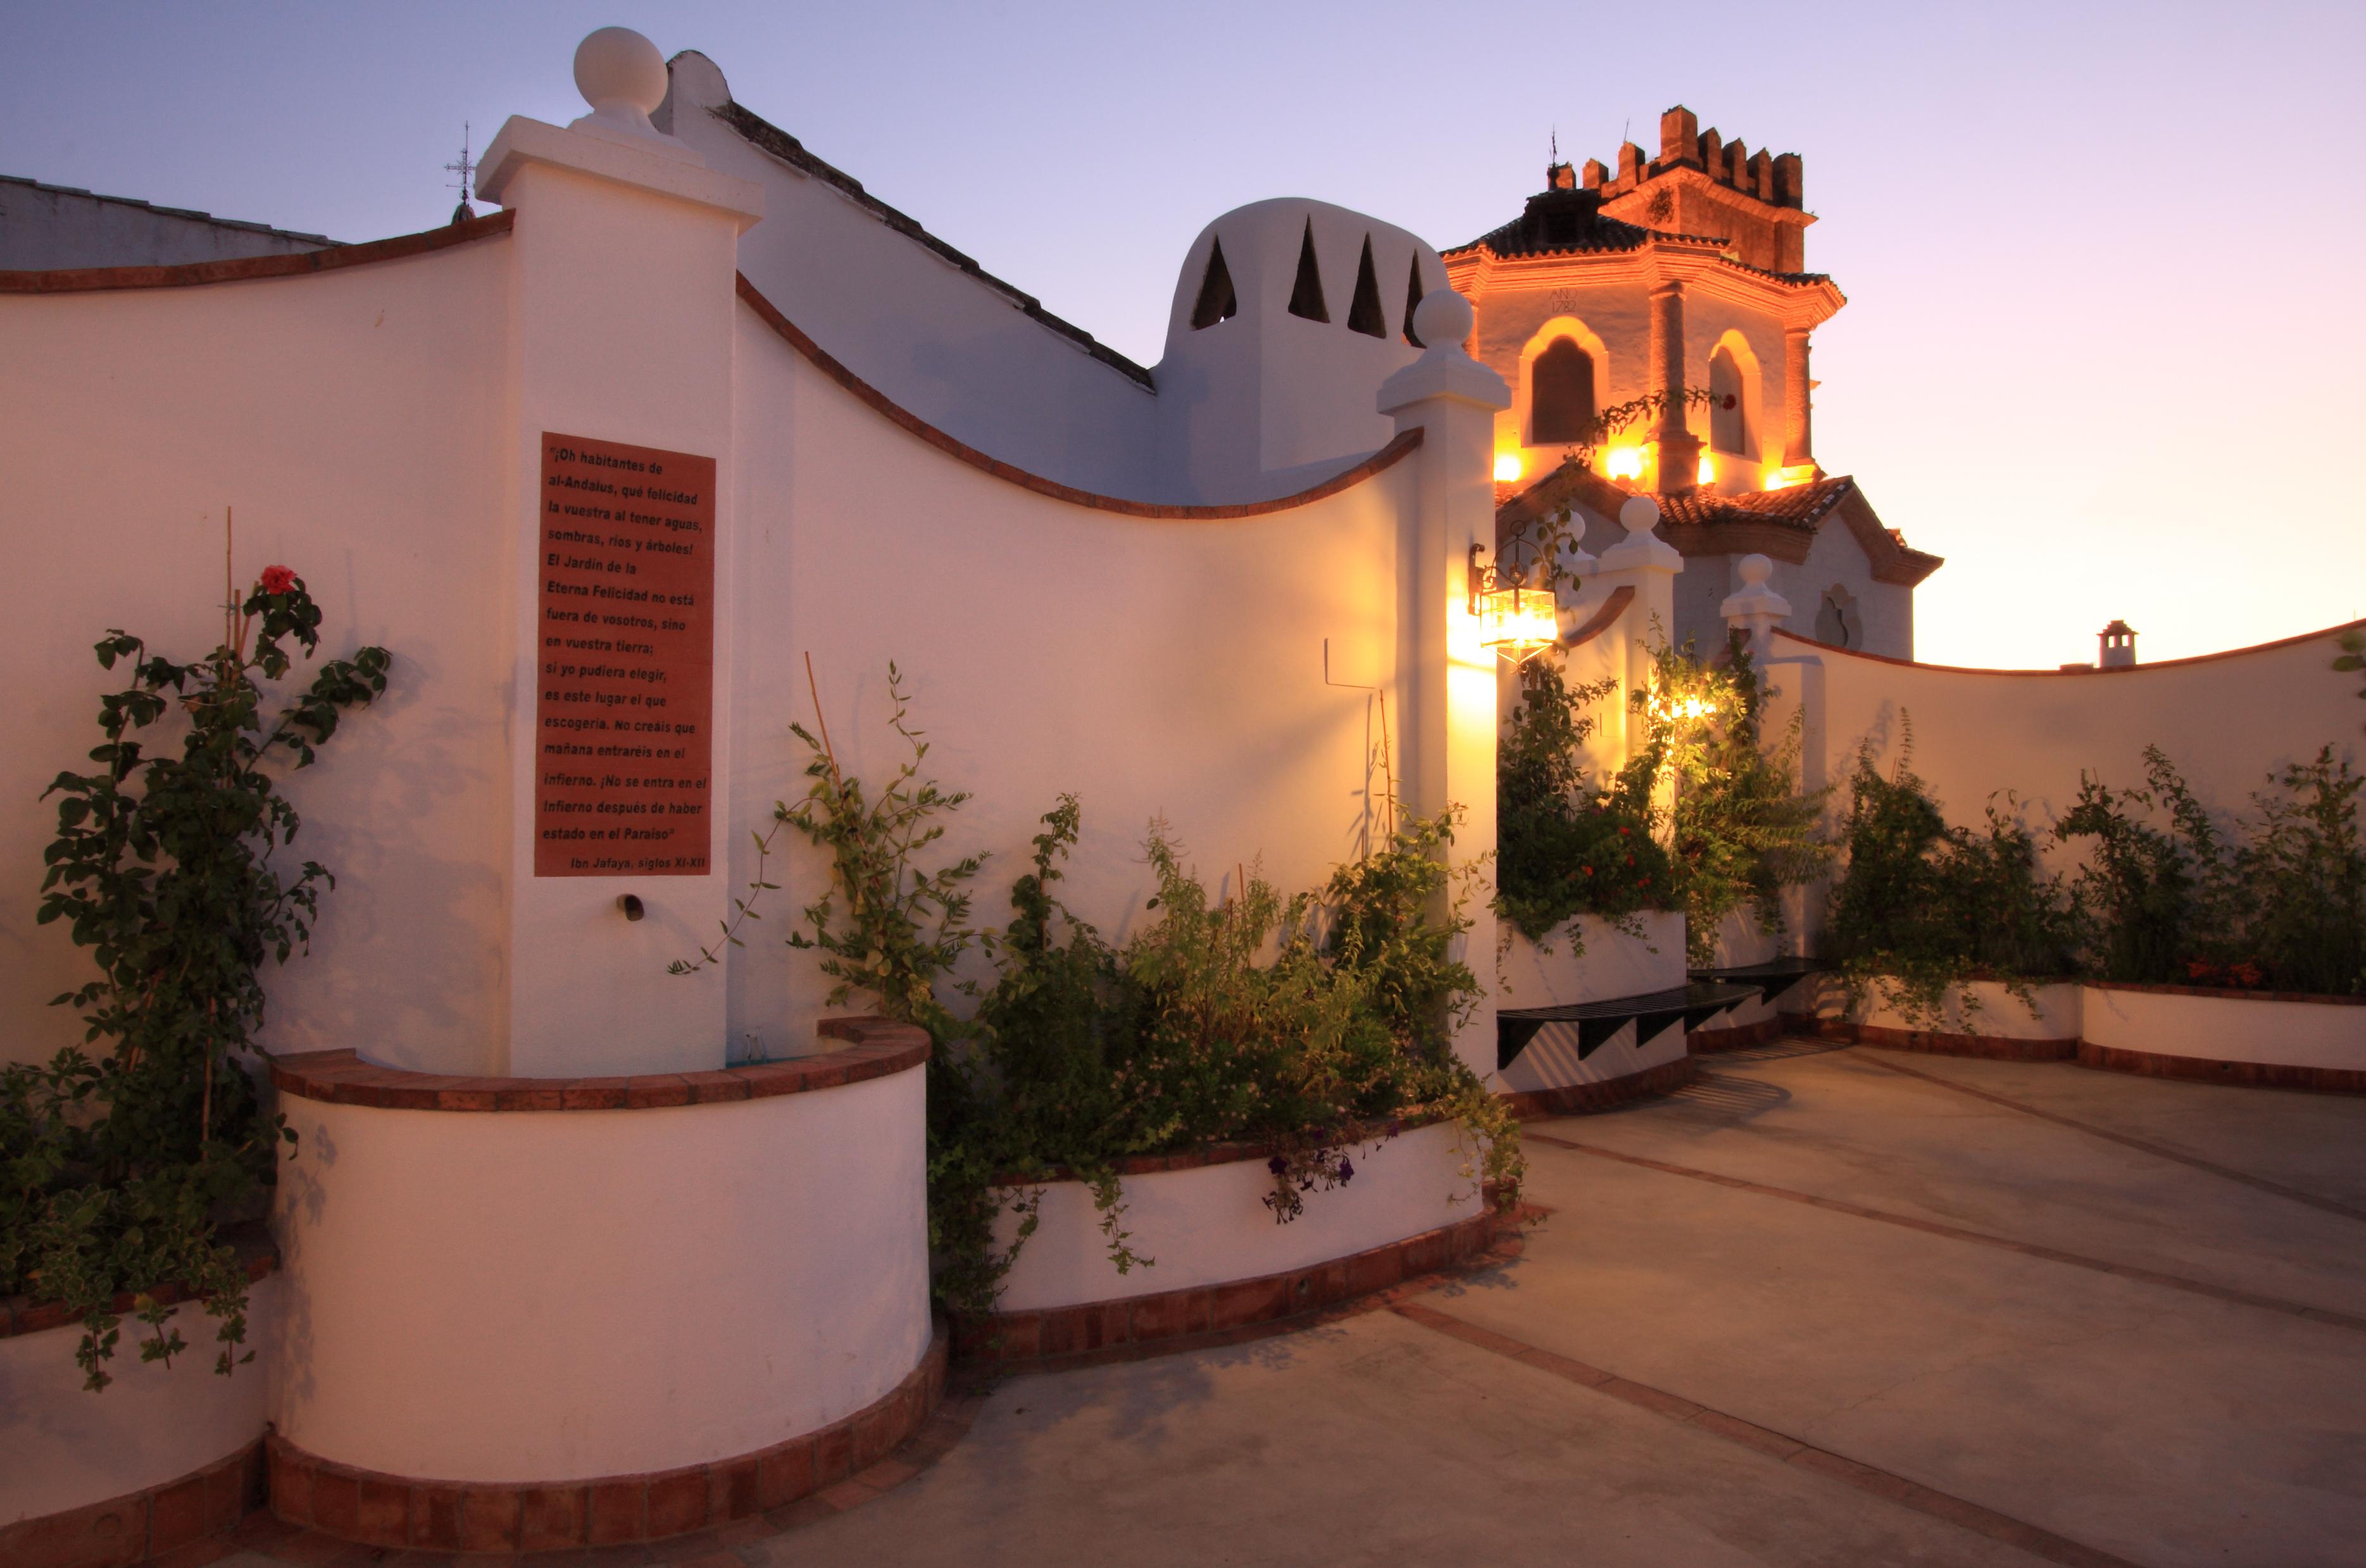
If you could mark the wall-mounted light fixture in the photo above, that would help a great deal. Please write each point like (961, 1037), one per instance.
(1507, 468)
(1517, 619)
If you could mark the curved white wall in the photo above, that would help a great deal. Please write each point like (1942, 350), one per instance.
(1605, 963)
(2226, 1028)
(1210, 1226)
(351, 419)
(2051, 1014)
(561, 1296)
(64, 1448)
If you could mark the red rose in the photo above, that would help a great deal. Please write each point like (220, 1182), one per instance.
(276, 579)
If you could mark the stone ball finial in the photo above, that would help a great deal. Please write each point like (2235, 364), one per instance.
(620, 73)
(1640, 514)
(1443, 318)
(1754, 570)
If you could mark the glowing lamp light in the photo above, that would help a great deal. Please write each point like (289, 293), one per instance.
(1517, 619)
(1624, 463)
(1507, 468)
(1707, 473)
(1693, 707)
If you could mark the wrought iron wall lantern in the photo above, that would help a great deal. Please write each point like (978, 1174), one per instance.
(1519, 618)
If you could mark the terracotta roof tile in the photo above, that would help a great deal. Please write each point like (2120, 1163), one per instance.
(1795, 506)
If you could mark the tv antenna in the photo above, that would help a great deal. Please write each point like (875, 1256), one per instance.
(467, 170)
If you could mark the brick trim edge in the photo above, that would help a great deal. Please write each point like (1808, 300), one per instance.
(1576, 1099)
(401, 1512)
(29, 1314)
(1006, 1338)
(880, 403)
(1742, 1037)
(1994, 1047)
(2210, 1070)
(880, 1046)
(241, 269)
(139, 1526)
(2221, 994)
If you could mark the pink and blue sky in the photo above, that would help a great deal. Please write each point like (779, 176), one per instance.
(2106, 341)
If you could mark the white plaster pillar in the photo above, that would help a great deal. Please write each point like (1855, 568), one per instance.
(1648, 563)
(623, 264)
(1446, 681)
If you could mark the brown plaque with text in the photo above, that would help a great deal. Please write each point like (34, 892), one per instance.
(627, 635)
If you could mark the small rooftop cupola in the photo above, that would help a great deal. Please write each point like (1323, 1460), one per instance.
(1560, 217)
(2119, 651)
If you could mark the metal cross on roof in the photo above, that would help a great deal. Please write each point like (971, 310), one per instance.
(466, 169)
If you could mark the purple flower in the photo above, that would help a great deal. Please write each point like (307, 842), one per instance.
(1277, 1165)
(1346, 1170)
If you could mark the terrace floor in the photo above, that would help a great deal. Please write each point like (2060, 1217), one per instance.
(1827, 1306)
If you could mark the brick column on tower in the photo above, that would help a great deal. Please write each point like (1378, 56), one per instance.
(1798, 429)
(1679, 449)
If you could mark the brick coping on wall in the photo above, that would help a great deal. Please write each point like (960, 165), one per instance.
(1576, 1099)
(1209, 1154)
(1058, 1331)
(402, 1513)
(880, 1047)
(2223, 994)
(1400, 445)
(1742, 1037)
(1994, 1047)
(145, 1525)
(2212, 1070)
(241, 269)
(30, 1314)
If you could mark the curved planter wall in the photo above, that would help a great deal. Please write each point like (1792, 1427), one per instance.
(2001, 1026)
(1605, 963)
(2268, 1039)
(601, 1278)
(1208, 1226)
(92, 1467)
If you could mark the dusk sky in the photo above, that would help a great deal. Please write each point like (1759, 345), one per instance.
(2105, 348)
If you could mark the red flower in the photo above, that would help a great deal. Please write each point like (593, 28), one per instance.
(276, 579)
(1729, 400)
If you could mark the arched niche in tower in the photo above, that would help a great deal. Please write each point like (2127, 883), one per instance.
(1564, 383)
(1735, 398)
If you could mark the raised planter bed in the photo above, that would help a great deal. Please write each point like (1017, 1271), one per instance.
(1220, 1257)
(2266, 1039)
(159, 1460)
(1604, 962)
(2001, 1027)
(550, 1295)
(1556, 1067)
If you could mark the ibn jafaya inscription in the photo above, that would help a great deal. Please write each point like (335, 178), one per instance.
(627, 661)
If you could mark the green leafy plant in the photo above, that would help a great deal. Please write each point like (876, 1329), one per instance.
(1566, 846)
(2168, 898)
(1923, 908)
(116, 1172)
(1741, 831)
(1310, 1025)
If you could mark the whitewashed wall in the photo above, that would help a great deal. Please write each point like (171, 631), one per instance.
(353, 422)
(942, 342)
(1157, 667)
(2226, 721)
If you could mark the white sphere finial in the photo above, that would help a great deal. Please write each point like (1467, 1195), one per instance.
(1640, 514)
(622, 76)
(1443, 318)
(1755, 570)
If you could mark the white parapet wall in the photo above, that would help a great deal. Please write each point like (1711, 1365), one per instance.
(2252, 1036)
(1210, 1226)
(1981, 1010)
(62, 1447)
(556, 1295)
(1591, 960)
